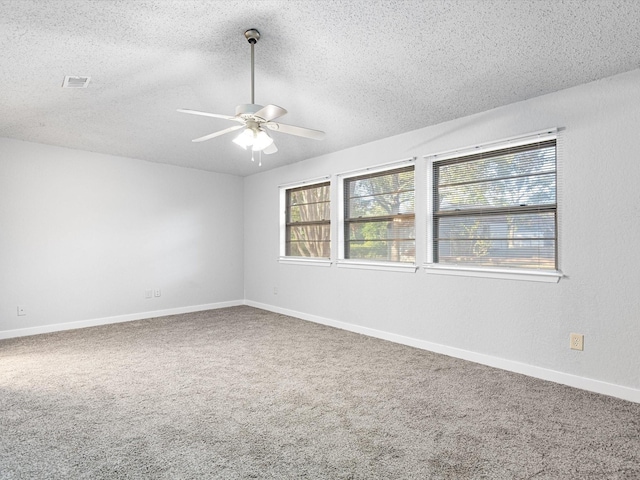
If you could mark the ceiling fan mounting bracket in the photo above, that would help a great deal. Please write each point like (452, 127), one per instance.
(252, 35)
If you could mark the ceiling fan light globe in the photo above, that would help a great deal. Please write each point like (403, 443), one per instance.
(262, 141)
(245, 139)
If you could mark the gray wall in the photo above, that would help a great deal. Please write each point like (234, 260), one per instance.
(520, 325)
(83, 235)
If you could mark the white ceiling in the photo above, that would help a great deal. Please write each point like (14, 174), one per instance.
(360, 70)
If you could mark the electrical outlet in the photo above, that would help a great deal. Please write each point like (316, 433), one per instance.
(576, 341)
(157, 292)
(275, 290)
(22, 310)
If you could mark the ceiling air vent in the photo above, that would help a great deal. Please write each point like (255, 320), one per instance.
(75, 82)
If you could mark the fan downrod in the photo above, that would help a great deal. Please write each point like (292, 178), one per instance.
(252, 35)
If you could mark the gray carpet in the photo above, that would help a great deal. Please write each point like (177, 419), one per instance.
(244, 393)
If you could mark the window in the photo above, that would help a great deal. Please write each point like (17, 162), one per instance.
(497, 208)
(379, 219)
(307, 221)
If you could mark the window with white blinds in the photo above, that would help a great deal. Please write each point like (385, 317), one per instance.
(379, 218)
(308, 221)
(497, 208)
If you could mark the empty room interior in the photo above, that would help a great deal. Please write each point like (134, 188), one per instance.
(320, 239)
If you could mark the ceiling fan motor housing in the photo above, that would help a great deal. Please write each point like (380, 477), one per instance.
(247, 110)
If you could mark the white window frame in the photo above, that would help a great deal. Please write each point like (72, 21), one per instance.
(342, 262)
(489, 272)
(291, 260)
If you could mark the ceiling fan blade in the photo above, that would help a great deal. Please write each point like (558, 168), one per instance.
(270, 149)
(214, 115)
(217, 134)
(293, 130)
(270, 112)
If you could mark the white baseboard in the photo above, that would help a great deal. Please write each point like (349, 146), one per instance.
(583, 383)
(23, 332)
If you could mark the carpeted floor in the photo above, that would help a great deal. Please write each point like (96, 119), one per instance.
(244, 393)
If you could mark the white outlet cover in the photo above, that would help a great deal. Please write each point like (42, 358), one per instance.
(576, 341)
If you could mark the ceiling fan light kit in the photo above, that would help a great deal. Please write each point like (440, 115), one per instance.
(253, 137)
(253, 118)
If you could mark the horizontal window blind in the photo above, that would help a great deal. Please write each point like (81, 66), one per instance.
(379, 216)
(308, 221)
(497, 208)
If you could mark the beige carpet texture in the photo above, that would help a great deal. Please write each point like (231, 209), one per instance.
(241, 393)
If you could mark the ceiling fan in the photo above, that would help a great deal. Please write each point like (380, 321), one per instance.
(254, 120)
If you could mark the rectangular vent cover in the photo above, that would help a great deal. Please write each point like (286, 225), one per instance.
(75, 82)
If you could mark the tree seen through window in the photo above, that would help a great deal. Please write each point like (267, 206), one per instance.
(379, 216)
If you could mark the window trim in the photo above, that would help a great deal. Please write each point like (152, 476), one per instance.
(311, 261)
(539, 136)
(377, 265)
(550, 276)
(362, 263)
(288, 259)
(535, 275)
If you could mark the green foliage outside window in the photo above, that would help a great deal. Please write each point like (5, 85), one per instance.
(497, 208)
(379, 216)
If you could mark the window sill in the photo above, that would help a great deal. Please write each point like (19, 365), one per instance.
(314, 262)
(388, 266)
(501, 273)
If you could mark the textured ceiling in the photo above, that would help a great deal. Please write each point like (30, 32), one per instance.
(360, 70)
